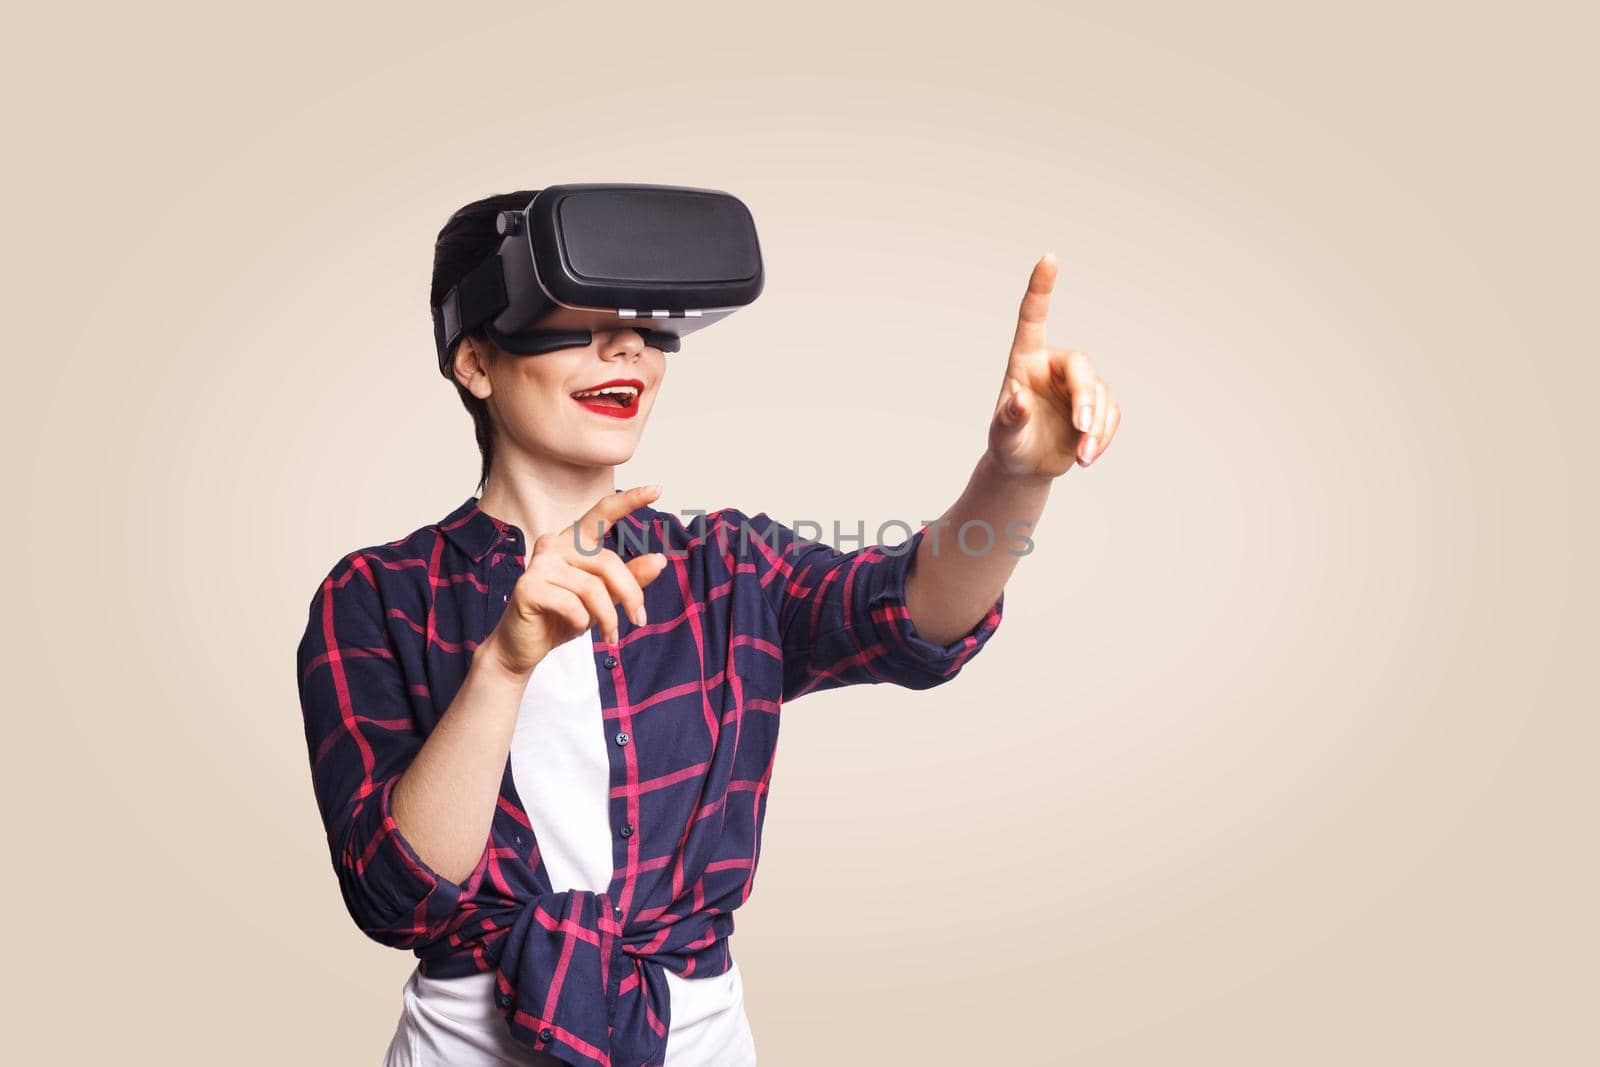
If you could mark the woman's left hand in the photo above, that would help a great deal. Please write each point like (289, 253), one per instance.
(1053, 411)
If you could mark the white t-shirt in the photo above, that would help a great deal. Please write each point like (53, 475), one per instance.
(560, 764)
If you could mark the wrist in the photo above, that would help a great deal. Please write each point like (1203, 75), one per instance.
(992, 469)
(489, 662)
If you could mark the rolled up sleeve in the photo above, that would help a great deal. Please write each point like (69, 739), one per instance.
(842, 615)
(361, 735)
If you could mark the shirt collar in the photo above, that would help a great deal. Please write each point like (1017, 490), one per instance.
(477, 533)
(474, 531)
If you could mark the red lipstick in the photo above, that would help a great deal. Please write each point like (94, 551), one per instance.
(618, 401)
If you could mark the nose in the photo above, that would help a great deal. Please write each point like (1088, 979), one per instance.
(624, 342)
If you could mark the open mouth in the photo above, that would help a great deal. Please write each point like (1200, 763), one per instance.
(618, 398)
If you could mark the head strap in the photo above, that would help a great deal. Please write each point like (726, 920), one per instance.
(471, 302)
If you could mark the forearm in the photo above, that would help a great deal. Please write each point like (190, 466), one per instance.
(444, 802)
(948, 588)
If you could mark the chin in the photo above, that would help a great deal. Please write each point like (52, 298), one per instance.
(601, 454)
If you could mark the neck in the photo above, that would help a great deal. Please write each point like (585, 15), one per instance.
(543, 498)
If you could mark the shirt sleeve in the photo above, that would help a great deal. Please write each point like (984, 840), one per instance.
(361, 735)
(842, 615)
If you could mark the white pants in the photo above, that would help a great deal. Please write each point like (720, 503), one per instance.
(453, 1022)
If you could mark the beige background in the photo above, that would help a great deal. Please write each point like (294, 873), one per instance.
(1283, 753)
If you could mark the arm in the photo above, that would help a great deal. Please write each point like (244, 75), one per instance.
(841, 616)
(949, 589)
(1053, 413)
(444, 802)
(361, 735)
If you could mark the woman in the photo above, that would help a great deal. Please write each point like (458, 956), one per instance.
(542, 728)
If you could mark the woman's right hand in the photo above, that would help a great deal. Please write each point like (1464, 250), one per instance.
(565, 591)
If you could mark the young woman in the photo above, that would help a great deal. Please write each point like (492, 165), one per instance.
(542, 728)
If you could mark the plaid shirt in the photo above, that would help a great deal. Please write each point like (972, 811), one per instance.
(747, 615)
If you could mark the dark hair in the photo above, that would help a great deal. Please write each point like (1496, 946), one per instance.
(466, 240)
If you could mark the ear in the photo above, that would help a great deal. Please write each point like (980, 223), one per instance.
(472, 366)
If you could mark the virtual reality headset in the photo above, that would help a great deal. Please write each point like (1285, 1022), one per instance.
(673, 257)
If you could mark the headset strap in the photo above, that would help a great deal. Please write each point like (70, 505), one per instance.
(471, 302)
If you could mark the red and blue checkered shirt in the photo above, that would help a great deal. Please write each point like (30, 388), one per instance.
(747, 616)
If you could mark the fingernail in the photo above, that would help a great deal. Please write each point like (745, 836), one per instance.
(1091, 445)
(643, 617)
(1085, 417)
(653, 488)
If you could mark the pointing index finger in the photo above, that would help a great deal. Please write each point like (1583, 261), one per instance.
(1035, 310)
(608, 509)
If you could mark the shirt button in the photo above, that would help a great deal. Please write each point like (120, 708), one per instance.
(627, 829)
(610, 661)
(547, 1034)
(622, 737)
(617, 911)
(503, 999)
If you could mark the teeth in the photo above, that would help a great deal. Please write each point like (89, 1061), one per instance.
(624, 393)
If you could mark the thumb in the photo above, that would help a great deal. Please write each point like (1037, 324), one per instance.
(1014, 405)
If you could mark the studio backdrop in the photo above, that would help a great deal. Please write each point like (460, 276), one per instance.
(1281, 753)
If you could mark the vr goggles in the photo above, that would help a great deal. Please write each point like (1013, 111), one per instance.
(674, 257)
